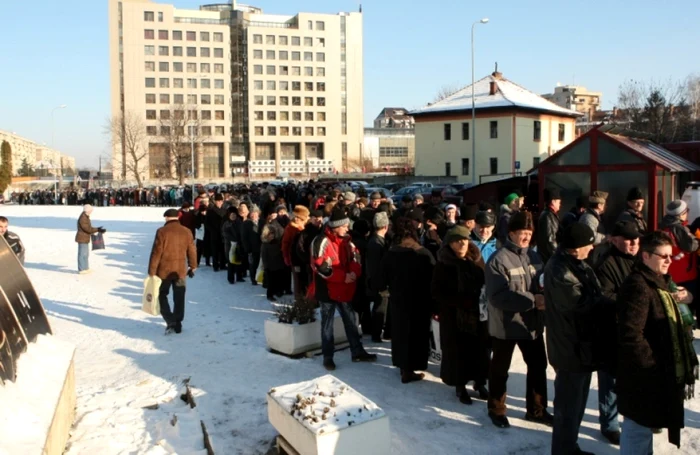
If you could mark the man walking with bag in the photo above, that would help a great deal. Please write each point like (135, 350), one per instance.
(82, 238)
(173, 246)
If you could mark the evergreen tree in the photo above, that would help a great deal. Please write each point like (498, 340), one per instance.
(6, 166)
(26, 170)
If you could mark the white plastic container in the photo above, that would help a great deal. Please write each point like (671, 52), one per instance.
(691, 196)
(292, 339)
(344, 422)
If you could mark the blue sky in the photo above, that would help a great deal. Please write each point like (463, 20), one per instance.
(56, 52)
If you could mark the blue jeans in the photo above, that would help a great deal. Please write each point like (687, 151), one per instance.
(607, 403)
(570, 397)
(636, 439)
(83, 256)
(327, 317)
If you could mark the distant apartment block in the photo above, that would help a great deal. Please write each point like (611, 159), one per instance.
(35, 154)
(578, 99)
(394, 117)
(390, 149)
(260, 94)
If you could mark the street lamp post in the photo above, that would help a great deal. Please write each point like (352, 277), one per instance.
(192, 128)
(482, 21)
(55, 185)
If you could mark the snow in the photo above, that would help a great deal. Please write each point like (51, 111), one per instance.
(509, 94)
(326, 404)
(28, 405)
(125, 363)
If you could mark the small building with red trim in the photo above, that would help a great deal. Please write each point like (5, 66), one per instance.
(605, 159)
(515, 130)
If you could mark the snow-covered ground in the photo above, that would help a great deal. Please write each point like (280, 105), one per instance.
(125, 363)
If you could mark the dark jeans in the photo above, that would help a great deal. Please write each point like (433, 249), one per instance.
(536, 382)
(172, 318)
(275, 282)
(202, 250)
(218, 255)
(327, 339)
(607, 402)
(570, 397)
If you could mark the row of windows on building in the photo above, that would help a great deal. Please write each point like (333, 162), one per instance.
(164, 82)
(393, 152)
(284, 116)
(284, 55)
(180, 130)
(493, 166)
(259, 100)
(178, 67)
(284, 85)
(189, 36)
(285, 71)
(296, 130)
(283, 40)
(164, 98)
(179, 114)
(164, 51)
(493, 131)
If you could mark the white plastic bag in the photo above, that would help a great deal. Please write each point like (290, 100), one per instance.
(199, 233)
(151, 291)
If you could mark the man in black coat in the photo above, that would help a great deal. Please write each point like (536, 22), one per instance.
(548, 225)
(216, 215)
(575, 213)
(633, 212)
(302, 247)
(376, 249)
(250, 237)
(572, 300)
(612, 271)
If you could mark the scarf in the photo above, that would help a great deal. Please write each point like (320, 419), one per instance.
(684, 357)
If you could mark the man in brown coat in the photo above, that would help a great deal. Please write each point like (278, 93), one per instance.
(173, 246)
(83, 237)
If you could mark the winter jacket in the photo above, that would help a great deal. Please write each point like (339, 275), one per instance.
(332, 259)
(647, 391)
(15, 244)
(512, 276)
(570, 217)
(591, 218)
(376, 249)
(250, 237)
(290, 236)
(271, 250)
(684, 265)
(231, 232)
(502, 226)
(612, 271)
(456, 287)
(548, 230)
(85, 229)
(173, 248)
(431, 240)
(632, 215)
(214, 222)
(573, 309)
(187, 219)
(486, 248)
(302, 249)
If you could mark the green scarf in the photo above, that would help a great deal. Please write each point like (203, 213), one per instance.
(684, 357)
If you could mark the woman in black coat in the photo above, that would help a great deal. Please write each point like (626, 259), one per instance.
(404, 270)
(271, 254)
(457, 281)
(250, 236)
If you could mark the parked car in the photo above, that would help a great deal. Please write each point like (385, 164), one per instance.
(449, 194)
(422, 184)
(407, 190)
(394, 187)
(368, 190)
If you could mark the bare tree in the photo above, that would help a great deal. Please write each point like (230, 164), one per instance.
(693, 96)
(446, 91)
(180, 128)
(658, 109)
(128, 133)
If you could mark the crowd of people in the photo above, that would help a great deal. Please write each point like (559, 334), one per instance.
(106, 197)
(612, 303)
(561, 287)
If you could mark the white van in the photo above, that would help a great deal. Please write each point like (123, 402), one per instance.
(691, 196)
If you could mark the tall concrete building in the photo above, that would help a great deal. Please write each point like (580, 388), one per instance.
(254, 93)
(38, 156)
(577, 98)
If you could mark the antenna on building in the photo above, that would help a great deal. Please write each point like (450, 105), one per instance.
(360, 7)
(496, 70)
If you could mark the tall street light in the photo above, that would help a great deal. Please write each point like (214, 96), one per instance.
(192, 127)
(55, 184)
(482, 21)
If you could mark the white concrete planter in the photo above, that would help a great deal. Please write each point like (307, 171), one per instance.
(352, 425)
(292, 339)
(37, 411)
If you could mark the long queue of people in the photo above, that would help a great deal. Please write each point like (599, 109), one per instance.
(615, 304)
(106, 197)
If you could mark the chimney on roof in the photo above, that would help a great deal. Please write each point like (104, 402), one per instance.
(493, 87)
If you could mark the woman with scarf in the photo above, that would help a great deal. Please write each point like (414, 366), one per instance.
(404, 269)
(657, 364)
(458, 278)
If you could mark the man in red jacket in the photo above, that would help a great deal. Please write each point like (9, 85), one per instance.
(336, 266)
